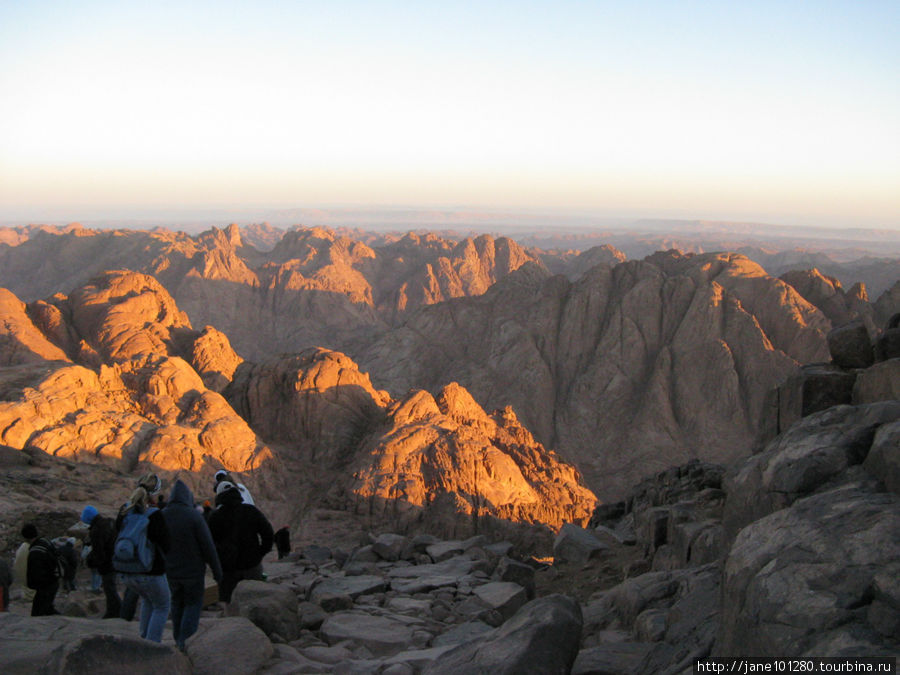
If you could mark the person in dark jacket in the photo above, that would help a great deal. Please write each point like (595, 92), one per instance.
(42, 574)
(102, 535)
(283, 542)
(191, 550)
(151, 586)
(243, 536)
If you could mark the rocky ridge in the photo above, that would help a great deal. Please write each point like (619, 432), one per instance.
(135, 387)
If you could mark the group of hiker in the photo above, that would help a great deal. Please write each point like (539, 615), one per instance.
(159, 550)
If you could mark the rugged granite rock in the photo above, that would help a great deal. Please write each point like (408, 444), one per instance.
(129, 398)
(440, 464)
(628, 370)
(829, 296)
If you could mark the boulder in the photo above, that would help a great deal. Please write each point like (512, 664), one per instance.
(881, 382)
(516, 572)
(390, 547)
(111, 654)
(542, 637)
(620, 658)
(350, 586)
(806, 571)
(883, 460)
(272, 607)
(504, 597)
(850, 346)
(229, 645)
(576, 544)
(811, 453)
(463, 632)
(56, 644)
(887, 346)
(381, 635)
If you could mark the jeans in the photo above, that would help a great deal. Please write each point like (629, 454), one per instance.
(154, 593)
(187, 602)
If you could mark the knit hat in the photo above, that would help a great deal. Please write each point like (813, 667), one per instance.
(223, 486)
(221, 474)
(88, 515)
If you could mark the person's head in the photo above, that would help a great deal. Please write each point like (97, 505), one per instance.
(29, 532)
(223, 475)
(151, 483)
(88, 514)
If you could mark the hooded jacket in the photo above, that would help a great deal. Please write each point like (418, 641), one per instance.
(102, 534)
(191, 544)
(242, 533)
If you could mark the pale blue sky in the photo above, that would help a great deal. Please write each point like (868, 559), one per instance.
(781, 111)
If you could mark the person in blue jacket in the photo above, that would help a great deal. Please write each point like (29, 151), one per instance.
(191, 549)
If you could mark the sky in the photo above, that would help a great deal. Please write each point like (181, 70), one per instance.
(785, 112)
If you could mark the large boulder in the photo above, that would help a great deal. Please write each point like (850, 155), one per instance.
(850, 345)
(811, 453)
(57, 644)
(883, 460)
(881, 382)
(576, 544)
(801, 580)
(272, 607)
(542, 637)
(230, 645)
(381, 635)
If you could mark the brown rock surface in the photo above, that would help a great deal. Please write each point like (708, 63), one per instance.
(628, 370)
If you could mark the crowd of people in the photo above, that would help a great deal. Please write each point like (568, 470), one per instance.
(157, 550)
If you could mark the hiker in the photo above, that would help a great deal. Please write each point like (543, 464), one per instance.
(191, 548)
(42, 572)
(139, 556)
(65, 550)
(242, 535)
(102, 535)
(153, 485)
(283, 542)
(224, 476)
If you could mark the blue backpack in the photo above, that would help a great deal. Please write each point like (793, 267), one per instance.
(133, 552)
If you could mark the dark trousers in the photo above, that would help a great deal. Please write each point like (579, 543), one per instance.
(230, 579)
(129, 604)
(186, 604)
(113, 603)
(42, 605)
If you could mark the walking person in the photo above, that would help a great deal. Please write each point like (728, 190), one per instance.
(242, 535)
(102, 535)
(191, 549)
(42, 574)
(223, 476)
(139, 556)
(153, 485)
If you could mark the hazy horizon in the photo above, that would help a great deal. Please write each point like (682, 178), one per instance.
(767, 112)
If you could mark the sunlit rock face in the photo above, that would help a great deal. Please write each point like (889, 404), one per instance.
(444, 456)
(431, 463)
(628, 370)
(125, 398)
(134, 387)
(313, 287)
